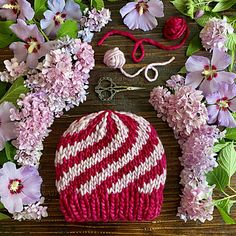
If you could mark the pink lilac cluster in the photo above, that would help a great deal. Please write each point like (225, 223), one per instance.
(14, 69)
(96, 19)
(187, 115)
(34, 118)
(214, 34)
(58, 83)
(32, 212)
(175, 82)
(183, 110)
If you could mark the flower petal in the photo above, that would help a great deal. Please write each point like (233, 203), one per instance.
(20, 52)
(232, 105)
(156, 8)
(13, 203)
(21, 29)
(73, 10)
(220, 59)
(212, 114)
(147, 22)
(26, 10)
(5, 113)
(127, 8)
(8, 131)
(196, 63)
(213, 97)
(224, 76)
(208, 87)
(193, 79)
(8, 169)
(32, 60)
(226, 119)
(8, 14)
(56, 5)
(131, 20)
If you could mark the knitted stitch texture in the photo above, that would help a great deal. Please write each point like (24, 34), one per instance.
(110, 166)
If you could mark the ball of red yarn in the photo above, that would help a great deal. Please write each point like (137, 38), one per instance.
(174, 28)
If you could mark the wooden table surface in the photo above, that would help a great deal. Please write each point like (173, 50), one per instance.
(136, 102)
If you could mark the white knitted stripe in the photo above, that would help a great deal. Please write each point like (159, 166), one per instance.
(153, 184)
(141, 140)
(81, 124)
(65, 153)
(140, 170)
(115, 144)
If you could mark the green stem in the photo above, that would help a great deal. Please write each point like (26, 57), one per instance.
(232, 189)
(232, 61)
(225, 198)
(41, 31)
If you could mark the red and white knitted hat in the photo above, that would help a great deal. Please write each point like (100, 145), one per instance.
(110, 166)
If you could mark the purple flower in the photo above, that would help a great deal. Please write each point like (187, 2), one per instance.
(7, 127)
(33, 47)
(142, 14)
(19, 186)
(13, 9)
(222, 103)
(214, 34)
(205, 74)
(59, 12)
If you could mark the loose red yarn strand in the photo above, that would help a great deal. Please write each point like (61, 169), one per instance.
(174, 28)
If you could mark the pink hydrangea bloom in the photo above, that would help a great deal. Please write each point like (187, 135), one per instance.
(7, 127)
(214, 34)
(33, 47)
(16, 9)
(96, 19)
(142, 14)
(205, 74)
(221, 104)
(19, 186)
(196, 202)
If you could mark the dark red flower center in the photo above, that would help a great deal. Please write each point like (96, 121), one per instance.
(32, 45)
(210, 72)
(15, 186)
(142, 7)
(223, 103)
(13, 5)
(59, 18)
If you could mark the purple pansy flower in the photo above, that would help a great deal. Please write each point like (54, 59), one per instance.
(7, 127)
(58, 13)
(13, 9)
(33, 47)
(221, 104)
(19, 186)
(207, 75)
(142, 14)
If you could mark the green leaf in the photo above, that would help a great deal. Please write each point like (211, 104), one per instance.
(227, 159)
(10, 151)
(225, 204)
(1, 206)
(223, 5)
(218, 177)
(40, 6)
(206, 17)
(230, 133)
(3, 157)
(6, 35)
(182, 70)
(227, 219)
(15, 91)
(82, 5)
(98, 4)
(231, 42)
(183, 6)
(219, 146)
(69, 28)
(3, 88)
(4, 216)
(194, 45)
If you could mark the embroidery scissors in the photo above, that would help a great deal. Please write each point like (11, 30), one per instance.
(107, 89)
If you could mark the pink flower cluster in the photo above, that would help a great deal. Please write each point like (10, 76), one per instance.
(183, 110)
(57, 84)
(187, 115)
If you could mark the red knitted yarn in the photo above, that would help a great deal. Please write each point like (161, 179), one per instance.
(110, 166)
(174, 28)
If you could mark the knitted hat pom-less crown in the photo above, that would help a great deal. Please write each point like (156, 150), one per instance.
(110, 166)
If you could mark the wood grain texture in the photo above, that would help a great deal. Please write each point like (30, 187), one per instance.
(136, 102)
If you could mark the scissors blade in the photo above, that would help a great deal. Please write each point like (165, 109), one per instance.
(134, 88)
